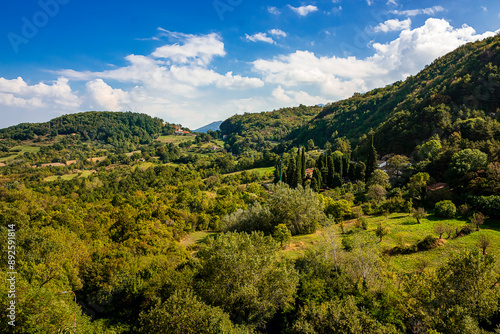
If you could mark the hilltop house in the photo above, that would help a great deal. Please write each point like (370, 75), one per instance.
(179, 131)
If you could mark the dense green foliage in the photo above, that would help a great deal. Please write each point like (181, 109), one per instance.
(185, 313)
(245, 275)
(266, 129)
(300, 210)
(109, 127)
(445, 209)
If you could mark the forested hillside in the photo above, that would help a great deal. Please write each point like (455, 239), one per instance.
(264, 130)
(108, 127)
(459, 92)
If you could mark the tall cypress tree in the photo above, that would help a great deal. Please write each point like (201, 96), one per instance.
(291, 173)
(303, 157)
(300, 176)
(314, 184)
(371, 164)
(316, 180)
(337, 160)
(324, 170)
(276, 172)
(346, 161)
(331, 171)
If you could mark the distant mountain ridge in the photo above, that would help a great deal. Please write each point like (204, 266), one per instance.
(214, 126)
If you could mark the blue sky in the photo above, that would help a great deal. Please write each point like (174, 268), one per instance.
(194, 62)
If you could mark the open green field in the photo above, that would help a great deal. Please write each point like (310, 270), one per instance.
(175, 139)
(401, 227)
(20, 150)
(197, 238)
(25, 148)
(143, 166)
(66, 177)
(259, 171)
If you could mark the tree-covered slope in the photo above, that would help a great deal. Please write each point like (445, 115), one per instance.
(255, 131)
(103, 126)
(457, 92)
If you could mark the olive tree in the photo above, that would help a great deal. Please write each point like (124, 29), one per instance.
(185, 313)
(246, 276)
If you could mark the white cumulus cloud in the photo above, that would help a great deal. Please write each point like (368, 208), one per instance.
(200, 49)
(393, 25)
(277, 33)
(336, 77)
(415, 12)
(22, 102)
(175, 82)
(104, 97)
(304, 10)
(273, 10)
(58, 94)
(260, 37)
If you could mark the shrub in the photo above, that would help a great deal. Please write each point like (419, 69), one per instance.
(403, 250)
(381, 231)
(227, 277)
(299, 209)
(466, 230)
(464, 209)
(484, 241)
(282, 234)
(347, 243)
(339, 209)
(490, 205)
(445, 209)
(439, 228)
(184, 312)
(367, 208)
(429, 242)
(361, 223)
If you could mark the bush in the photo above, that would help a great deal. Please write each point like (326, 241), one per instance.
(347, 243)
(299, 209)
(466, 230)
(246, 276)
(184, 312)
(445, 209)
(402, 249)
(490, 205)
(361, 223)
(428, 243)
(367, 208)
(338, 209)
(256, 218)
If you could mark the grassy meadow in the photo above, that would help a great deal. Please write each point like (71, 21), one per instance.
(403, 229)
